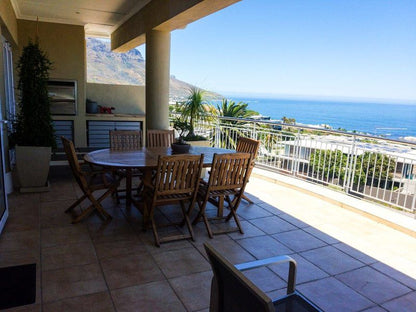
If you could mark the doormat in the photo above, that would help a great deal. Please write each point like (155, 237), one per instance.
(17, 285)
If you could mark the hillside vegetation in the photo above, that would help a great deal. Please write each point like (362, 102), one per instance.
(104, 66)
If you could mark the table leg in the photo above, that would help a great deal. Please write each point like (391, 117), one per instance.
(128, 186)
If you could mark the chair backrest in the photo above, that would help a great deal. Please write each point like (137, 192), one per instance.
(232, 290)
(178, 174)
(125, 139)
(229, 171)
(72, 158)
(160, 138)
(246, 145)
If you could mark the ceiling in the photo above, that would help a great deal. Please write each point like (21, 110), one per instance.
(100, 17)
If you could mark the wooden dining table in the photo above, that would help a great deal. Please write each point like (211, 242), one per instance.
(145, 160)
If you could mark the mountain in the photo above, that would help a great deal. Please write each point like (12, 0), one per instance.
(104, 66)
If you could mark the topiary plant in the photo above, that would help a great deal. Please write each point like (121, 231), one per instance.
(33, 125)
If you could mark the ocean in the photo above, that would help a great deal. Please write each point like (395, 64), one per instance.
(394, 121)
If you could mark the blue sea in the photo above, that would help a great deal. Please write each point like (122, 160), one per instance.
(394, 121)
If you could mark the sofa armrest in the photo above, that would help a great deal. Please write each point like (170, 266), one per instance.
(291, 280)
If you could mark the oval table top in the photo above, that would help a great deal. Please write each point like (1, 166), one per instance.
(146, 157)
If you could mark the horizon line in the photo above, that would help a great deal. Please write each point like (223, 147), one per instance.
(318, 97)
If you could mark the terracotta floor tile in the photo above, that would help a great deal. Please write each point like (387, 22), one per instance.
(306, 271)
(120, 248)
(406, 303)
(273, 209)
(53, 214)
(151, 297)
(72, 281)
(230, 249)
(98, 302)
(373, 284)
(249, 231)
(129, 270)
(299, 240)
(273, 225)
(359, 255)
(263, 247)
(193, 290)
(18, 241)
(62, 256)
(331, 260)
(72, 233)
(181, 262)
(333, 296)
(395, 274)
(252, 212)
(321, 235)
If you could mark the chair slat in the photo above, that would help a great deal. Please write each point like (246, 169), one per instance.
(125, 139)
(159, 138)
(228, 177)
(176, 180)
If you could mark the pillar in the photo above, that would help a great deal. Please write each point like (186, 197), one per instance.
(157, 79)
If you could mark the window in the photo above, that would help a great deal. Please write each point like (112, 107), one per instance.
(8, 81)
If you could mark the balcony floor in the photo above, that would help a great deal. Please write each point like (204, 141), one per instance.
(346, 262)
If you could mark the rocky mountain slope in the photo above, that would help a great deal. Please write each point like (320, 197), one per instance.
(104, 66)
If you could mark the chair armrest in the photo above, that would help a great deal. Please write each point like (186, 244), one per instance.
(291, 280)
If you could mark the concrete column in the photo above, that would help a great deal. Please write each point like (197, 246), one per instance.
(157, 79)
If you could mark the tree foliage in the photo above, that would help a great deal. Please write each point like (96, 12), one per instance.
(33, 125)
(194, 108)
(367, 169)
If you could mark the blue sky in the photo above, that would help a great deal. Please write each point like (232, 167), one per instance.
(363, 49)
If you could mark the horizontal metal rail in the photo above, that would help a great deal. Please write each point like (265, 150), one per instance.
(371, 167)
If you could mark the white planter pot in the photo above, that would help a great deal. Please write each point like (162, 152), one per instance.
(32, 166)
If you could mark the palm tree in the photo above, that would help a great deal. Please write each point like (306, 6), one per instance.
(229, 134)
(194, 108)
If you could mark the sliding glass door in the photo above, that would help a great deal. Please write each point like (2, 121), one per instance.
(9, 106)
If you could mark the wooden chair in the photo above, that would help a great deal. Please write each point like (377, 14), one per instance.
(125, 140)
(176, 181)
(228, 177)
(246, 145)
(232, 291)
(89, 182)
(160, 138)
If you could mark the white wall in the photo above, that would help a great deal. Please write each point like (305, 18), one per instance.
(126, 99)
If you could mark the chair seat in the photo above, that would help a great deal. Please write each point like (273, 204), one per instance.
(294, 302)
(214, 193)
(173, 197)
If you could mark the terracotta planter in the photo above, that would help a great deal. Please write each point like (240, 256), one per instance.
(32, 166)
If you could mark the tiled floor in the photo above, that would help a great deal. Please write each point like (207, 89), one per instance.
(345, 261)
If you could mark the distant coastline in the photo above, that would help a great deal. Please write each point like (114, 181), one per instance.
(394, 121)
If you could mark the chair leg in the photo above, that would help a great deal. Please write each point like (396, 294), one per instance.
(201, 214)
(76, 203)
(247, 199)
(95, 205)
(233, 205)
(99, 207)
(187, 221)
(154, 229)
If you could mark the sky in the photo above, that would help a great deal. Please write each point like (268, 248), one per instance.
(361, 49)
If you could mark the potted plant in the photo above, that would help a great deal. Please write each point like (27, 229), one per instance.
(180, 146)
(33, 133)
(194, 109)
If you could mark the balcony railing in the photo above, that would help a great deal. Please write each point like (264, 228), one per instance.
(375, 168)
